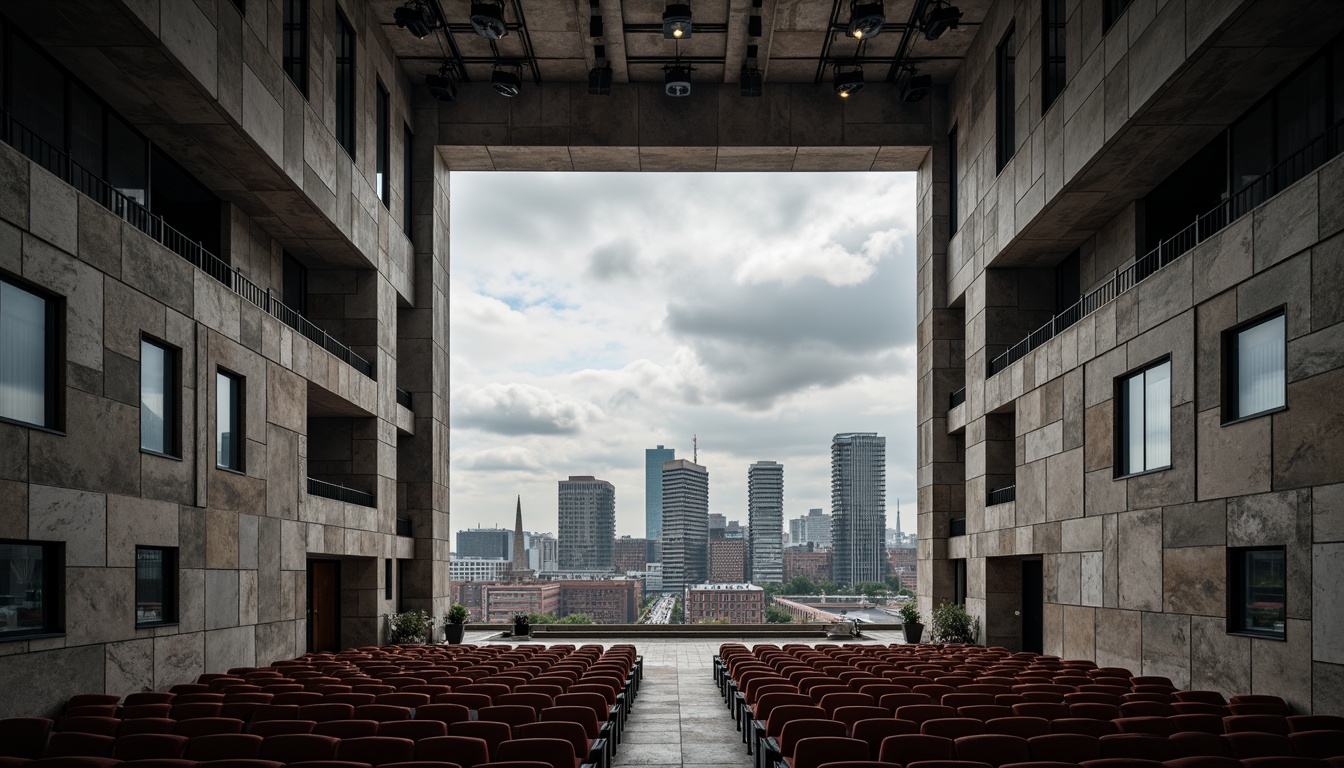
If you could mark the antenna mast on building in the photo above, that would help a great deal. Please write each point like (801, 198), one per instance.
(695, 449)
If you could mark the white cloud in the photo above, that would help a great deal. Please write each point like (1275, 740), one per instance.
(521, 409)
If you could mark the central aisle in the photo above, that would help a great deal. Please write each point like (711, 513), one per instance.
(681, 720)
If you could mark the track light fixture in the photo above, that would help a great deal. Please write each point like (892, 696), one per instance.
(940, 18)
(677, 80)
(677, 21)
(415, 18)
(441, 86)
(507, 80)
(848, 80)
(488, 19)
(916, 87)
(599, 80)
(865, 20)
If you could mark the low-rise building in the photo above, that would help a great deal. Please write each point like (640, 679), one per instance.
(904, 562)
(805, 561)
(501, 602)
(737, 603)
(612, 601)
(478, 568)
(727, 561)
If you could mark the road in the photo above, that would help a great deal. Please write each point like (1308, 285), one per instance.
(661, 612)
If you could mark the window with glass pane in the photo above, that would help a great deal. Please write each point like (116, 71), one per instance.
(1258, 586)
(1005, 105)
(295, 26)
(1144, 420)
(1110, 12)
(127, 160)
(27, 357)
(1256, 381)
(155, 586)
(37, 103)
(345, 84)
(1052, 59)
(86, 133)
(406, 207)
(229, 421)
(29, 588)
(384, 150)
(158, 398)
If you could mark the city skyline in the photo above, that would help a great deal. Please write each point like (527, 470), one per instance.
(575, 357)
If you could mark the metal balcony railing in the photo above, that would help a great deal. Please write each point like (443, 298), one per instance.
(957, 527)
(956, 398)
(1315, 154)
(404, 398)
(403, 526)
(37, 149)
(340, 493)
(1001, 495)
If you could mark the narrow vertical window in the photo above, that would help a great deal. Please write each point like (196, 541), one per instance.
(1005, 105)
(345, 84)
(155, 586)
(1255, 368)
(384, 150)
(952, 182)
(158, 398)
(228, 421)
(1052, 57)
(407, 210)
(1144, 420)
(294, 291)
(1110, 13)
(959, 581)
(296, 43)
(28, 370)
(387, 578)
(1257, 586)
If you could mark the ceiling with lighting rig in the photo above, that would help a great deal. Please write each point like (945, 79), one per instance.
(512, 44)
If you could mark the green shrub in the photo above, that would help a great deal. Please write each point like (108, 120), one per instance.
(408, 627)
(952, 624)
(776, 615)
(576, 618)
(457, 614)
(910, 613)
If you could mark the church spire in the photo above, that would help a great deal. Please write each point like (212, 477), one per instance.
(518, 569)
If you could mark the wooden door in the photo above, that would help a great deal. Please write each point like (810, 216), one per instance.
(324, 605)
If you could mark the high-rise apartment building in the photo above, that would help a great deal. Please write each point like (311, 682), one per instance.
(718, 525)
(654, 459)
(858, 507)
(630, 554)
(765, 522)
(543, 552)
(587, 512)
(685, 538)
(812, 528)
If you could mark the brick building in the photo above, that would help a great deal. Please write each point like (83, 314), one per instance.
(630, 554)
(738, 603)
(609, 601)
(727, 561)
(501, 601)
(815, 565)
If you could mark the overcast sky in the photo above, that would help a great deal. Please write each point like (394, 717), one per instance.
(595, 315)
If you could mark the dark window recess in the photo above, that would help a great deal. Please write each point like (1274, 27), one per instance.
(37, 100)
(296, 43)
(159, 406)
(403, 566)
(229, 421)
(1254, 374)
(345, 85)
(959, 581)
(1110, 13)
(155, 586)
(384, 158)
(404, 398)
(127, 161)
(1257, 588)
(956, 398)
(952, 217)
(407, 209)
(404, 526)
(31, 583)
(189, 205)
(241, 5)
(295, 288)
(340, 493)
(30, 357)
(86, 130)
(1005, 102)
(387, 579)
(1068, 283)
(1192, 190)
(1053, 72)
(957, 527)
(1001, 495)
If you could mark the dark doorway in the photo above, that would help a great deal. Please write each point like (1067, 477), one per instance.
(324, 605)
(1033, 590)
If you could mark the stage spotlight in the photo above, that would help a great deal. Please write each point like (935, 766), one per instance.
(441, 86)
(677, 22)
(866, 20)
(599, 81)
(506, 82)
(415, 18)
(488, 20)
(848, 80)
(940, 18)
(916, 88)
(677, 81)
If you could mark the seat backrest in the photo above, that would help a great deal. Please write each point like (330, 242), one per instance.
(1315, 723)
(1022, 727)
(414, 730)
(1096, 728)
(468, 752)
(1253, 744)
(833, 701)
(147, 725)
(1200, 697)
(403, 699)
(1322, 745)
(1277, 724)
(851, 715)
(1195, 743)
(513, 714)
(1154, 726)
(76, 744)
(103, 726)
(911, 748)
(473, 701)
(952, 727)
(348, 729)
(224, 746)
(918, 713)
(275, 712)
(795, 731)
(267, 728)
(321, 713)
(558, 753)
(571, 732)
(1064, 747)
(294, 747)
(874, 730)
(1042, 709)
(444, 713)
(382, 712)
(984, 712)
(583, 716)
(146, 746)
(814, 751)
(208, 726)
(767, 703)
(1137, 745)
(24, 737)
(993, 748)
(493, 733)
(375, 750)
(893, 701)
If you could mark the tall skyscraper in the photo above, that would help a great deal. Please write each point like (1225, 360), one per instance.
(765, 522)
(812, 528)
(685, 537)
(654, 459)
(858, 507)
(587, 523)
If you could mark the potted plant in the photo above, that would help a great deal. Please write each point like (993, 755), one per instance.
(910, 623)
(409, 628)
(521, 625)
(952, 624)
(455, 623)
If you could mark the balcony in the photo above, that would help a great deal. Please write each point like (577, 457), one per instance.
(957, 527)
(404, 399)
(57, 162)
(1315, 154)
(1001, 495)
(340, 493)
(956, 398)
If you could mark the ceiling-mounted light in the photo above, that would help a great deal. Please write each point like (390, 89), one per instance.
(916, 88)
(441, 86)
(599, 81)
(848, 80)
(752, 81)
(940, 18)
(677, 80)
(415, 18)
(866, 20)
(506, 80)
(488, 20)
(677, 21)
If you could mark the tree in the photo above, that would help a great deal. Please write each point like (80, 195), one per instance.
(802, 584)
(905, 593)
(829, 588)
(776, 615)
(541, 618)
(576, 618)
(871, 588)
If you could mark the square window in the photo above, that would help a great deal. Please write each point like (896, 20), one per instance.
(1257, 588)
(229, 421)
(1254, 377)
(30, 588)
(1143, 420)
(155, 586)
(158, 398)
(28, 376)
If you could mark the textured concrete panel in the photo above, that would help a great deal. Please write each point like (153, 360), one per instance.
(48, 679)
(1194, 580)
(1309, 436)
(1064, 485)
(1327, 688)
(1141, 560)
(1192, 525)
(1119, 639)
(1079, 632)
(1234, 459)
(1327, 584)
(100, 604)
(129, 666)
(1327, 508)
(233, 647)
(221, 599)
(1284, 668)
(1166, 647)
(1218, 661)
(75, 517)
(178, 659)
